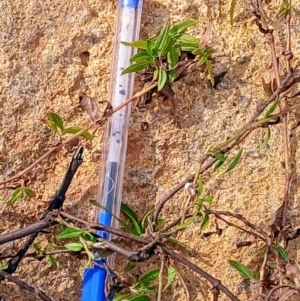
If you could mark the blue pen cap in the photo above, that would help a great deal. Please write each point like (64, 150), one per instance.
(94, 284)
(132, 3)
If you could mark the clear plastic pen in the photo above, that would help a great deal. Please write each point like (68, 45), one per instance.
(116, 133)
(111, 176)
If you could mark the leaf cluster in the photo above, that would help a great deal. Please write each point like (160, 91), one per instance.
(19, 193)
(56, 124)
(163, 53)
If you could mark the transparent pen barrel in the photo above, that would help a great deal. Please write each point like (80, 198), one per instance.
(112, 167)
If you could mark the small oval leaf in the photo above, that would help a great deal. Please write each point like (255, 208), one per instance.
(52, 261)
(136, 67)
(232, 7)
(171, 277)
(140, 298)
(181, 27)
(70, 233)
(162, 78)
(29, 192)
(137, 44)
(16, 195)
(233, 163)
(140, 56)
(243, 270)
(74, 246)
(56, 119)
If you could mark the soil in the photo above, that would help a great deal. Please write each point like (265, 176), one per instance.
(43, 70)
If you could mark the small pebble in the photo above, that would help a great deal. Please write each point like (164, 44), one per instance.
(243, 101)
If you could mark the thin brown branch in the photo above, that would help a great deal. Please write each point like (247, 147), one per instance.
(119, 250)
(66, 141)
(169, 195)
(216, 284)
(111, 230)
(241, 228)
(26, 286)
(267, 298)
(185, 288)
(160, 278)
(36, 227)
(261, 233)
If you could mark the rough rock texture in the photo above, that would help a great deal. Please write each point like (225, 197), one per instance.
(42, 71)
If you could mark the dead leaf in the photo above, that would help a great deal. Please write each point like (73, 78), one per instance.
(206, 37)
(91, 106)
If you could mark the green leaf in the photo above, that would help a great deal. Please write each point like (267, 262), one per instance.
(149, 277)
(162, 78)
(143, 222)
(172, 75)
(272, 108)
(132, 216)
(88, 252)
(149, 47)
(74, 246)
(285, 8)
(140, 56)
(208, 199)
(220, 156)
(87, 136)
(159, 223)
(189, 47)
(96, 203)
(262, 249)
(136, 67)
(56, 119)
(75, 129)
(233, 163)
(127, 227)
(282, 252)
(205, 219)
(30, 193)
(36, 247)
(179, 243)
(210, 72)
(129, 212)
(72, 130)
(88, 236)
(137, 44)
(120, 297)
(266, 139)
(140, 298)
(172, 58)
(171, 277)
(200, 185)
(219, 163)
(70, 233)
(204, 58)
(130, 265)
(243, 270)
(52, 261)
(162, 40)
(15, 196)
(50, 125)
(187, 39)
(187, 223)
(155, 74)
(181, 27)
(232, 7)
(166, 47)
(3, 266)
(62, 227)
